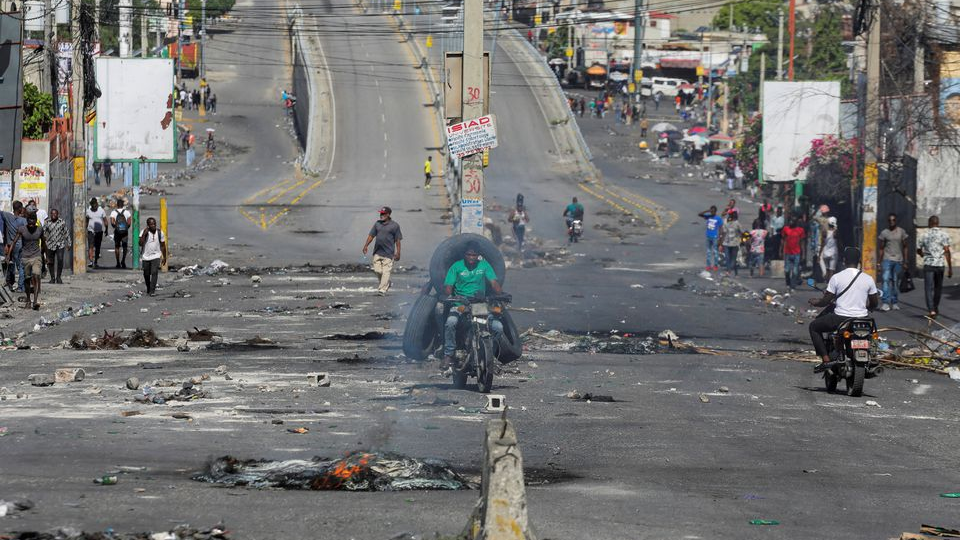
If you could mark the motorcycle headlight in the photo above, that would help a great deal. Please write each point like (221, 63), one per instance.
(496, 309)
(846, 334)
(461, 309)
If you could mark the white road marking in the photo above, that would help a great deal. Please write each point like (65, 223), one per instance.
(383, 117)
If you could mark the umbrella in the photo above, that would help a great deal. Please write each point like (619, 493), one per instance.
(695, 138)
(714, 159)
(720, 137)
(663, 126)
(726, 153)
(673, 134)
(617, 76)
(697, 129)
(557, 62)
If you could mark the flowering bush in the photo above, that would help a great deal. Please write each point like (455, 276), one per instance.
(748, 150)
(829, 151)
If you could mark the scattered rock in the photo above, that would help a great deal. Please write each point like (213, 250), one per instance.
(704, 399)
(41, 379)
(319, 379)
(723, 390)
(872, 403)
(133, 383)
(65, 375)
(256, 279)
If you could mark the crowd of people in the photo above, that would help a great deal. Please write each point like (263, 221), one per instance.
(190, 100)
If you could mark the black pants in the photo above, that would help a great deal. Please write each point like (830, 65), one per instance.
(151, 271)
(55, 261)
(120, 242)
(822, 324)
(518, 232)
(97, 239)
(932, 286)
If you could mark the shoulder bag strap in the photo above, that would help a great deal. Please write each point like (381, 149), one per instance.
(854, 280)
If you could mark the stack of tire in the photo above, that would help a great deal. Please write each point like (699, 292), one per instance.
(423, 334)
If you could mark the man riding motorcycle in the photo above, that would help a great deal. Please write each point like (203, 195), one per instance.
(853, 295)
(467, 278)
(572, 212)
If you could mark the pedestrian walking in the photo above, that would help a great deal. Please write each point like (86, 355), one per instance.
(96, 226)
(829, 249)
(775, 227)
(583, 106)
(644, 126)
(120, 219)
(758, 237)
(213, 103)
(29, 236)
(713, 225)
(153, 254)
(791, 236)
(893, 255)
(519, 218)
(427, 172)
(386, 249)
(730, 238)
(934, 247)
(656, 101)
(15, 272)
(108, 170)
(56, 239)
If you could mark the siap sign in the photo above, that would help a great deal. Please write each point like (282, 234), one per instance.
(472, 136)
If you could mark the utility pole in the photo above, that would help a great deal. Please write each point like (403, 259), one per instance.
(79, 163)
(638, 29)
(871, 149)
(793, 32)
(919, 75)
(780, 46)
(700, 71)
(763, 77)
(203, 40)
(730, 25)
(180, 18)
(126, 28)
(144, 32)
(725, 122)
(473, 94)
(46, 85)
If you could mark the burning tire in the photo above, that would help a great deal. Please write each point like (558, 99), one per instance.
(422, 331)
(451, 250)
(509, 346)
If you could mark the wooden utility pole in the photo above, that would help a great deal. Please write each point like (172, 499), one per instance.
(871, 147)
(763, 77)
(126, 28)
(79, 146)
(793, 32)
(471, 177)
(144, 31)
(638, 30)
(46, 85)
(780, 46)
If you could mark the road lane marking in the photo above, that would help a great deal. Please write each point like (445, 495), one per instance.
(267, 189)
(273, 199)
(606, 200)
(671, 216)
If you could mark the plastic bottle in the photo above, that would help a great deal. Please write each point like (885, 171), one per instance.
(106, 480)
(764, 522)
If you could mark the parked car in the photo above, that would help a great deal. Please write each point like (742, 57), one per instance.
(666, 87)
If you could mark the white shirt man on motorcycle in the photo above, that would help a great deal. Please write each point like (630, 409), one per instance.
(851, 293)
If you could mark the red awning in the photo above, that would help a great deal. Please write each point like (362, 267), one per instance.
(683, 63)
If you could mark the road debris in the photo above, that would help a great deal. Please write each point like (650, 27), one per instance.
(141, 338)
(41, 379)
(201, 334)
(299, 430)
(871, 403)
(704, 398)
(366, 336)
(764, 522)
(359, 471)
(65, 375)
(8, 508)
(106, 480)
(182, 532)
(319, 379)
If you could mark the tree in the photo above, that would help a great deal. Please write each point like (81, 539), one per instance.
(753, 14)
(37, 112)
(827, 60)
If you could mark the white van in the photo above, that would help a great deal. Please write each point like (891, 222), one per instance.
(666, 87)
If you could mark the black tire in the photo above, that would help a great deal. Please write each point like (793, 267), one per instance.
(485, 366)
(509, 344)
(855, 381)
(830, 381)
(422, 331)
(451, 250)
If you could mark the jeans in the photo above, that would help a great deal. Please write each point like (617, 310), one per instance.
(151, 272)
(731, 252)
(933, 286)
(713, 258)
(891, 280)
(55, 259)
(518, 231)
(450, 331)
(756, 260)
(791, 270)
(823, 323)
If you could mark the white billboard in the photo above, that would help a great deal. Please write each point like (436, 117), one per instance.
(794, 114)
(135, 115)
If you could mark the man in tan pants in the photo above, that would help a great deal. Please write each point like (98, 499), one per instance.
(386, 250)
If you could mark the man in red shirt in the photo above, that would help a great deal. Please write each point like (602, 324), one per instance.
(791, 237)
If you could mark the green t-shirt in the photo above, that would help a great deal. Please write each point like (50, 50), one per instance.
(470, 283)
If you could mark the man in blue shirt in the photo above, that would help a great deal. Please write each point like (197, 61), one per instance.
(714, 223)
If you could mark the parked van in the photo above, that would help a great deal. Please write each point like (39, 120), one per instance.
(666, 87)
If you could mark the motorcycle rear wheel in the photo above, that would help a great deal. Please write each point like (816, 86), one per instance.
(855, 381)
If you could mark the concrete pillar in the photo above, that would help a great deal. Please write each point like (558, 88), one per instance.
(501, 513)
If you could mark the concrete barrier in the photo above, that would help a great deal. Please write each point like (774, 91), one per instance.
(314, 113)
(501, 512)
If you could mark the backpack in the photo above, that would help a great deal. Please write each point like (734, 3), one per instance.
(122, 221)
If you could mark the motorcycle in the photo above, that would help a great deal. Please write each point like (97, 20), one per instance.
(476, 347)
(852, 351)
(575, 230)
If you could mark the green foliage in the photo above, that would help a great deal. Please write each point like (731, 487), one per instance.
(760, 14)
(827, 60)
(557, 43)
(37, 112)
(215, 8)
(748, 153)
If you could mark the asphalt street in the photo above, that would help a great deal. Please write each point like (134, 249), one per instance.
(693, 445)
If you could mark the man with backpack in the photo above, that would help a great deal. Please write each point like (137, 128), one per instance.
(120, 219)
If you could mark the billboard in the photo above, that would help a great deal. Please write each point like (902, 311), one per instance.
(11, 90)
(794, 114)
(950, 87)
(135, 115)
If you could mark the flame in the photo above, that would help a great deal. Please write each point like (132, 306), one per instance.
(345, 470)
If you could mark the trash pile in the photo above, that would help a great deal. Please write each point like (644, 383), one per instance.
(8, 508)
(213, 269)
(181, 532)
(934, 351)
(609, 343)
(188, 392)
(358, 471)
(931, 532)
(142, 338)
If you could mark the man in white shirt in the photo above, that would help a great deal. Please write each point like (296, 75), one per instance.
(853, 295)
(120, 218)
(153, 249)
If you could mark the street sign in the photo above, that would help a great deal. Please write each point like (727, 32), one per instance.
(397, 6)
(637, 75)
(569, 52)
(699, 71)
(429, 41)
(472, 136)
